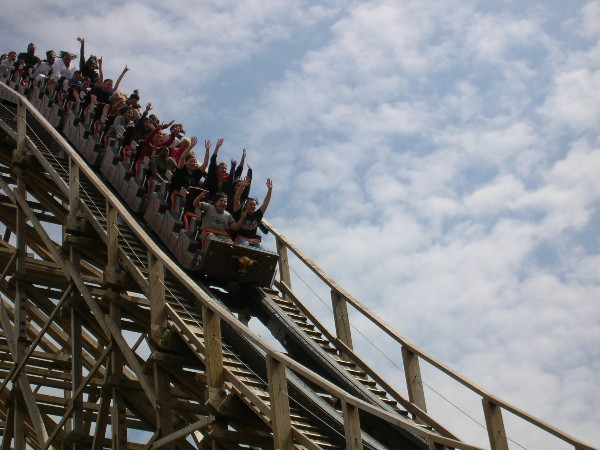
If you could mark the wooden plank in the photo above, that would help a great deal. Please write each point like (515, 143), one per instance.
(495, 426)
(173, 437)
(213, 353)
(341, 318)
(352, 427)
(414, 382)
(280, 405)
(164, 412)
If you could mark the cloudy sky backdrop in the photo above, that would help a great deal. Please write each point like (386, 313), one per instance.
(440, 160)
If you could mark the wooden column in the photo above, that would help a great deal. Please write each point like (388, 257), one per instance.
(215, 379)
(164, 412)
(284, 267)
(495, 425)
(352, 426)
(73, 188)
(414, 382)
(76, 356)
(280, 405)
(119, 410)
(76, 424)
(20, 318)
(21, 150)
(341, 318)
(156, 281)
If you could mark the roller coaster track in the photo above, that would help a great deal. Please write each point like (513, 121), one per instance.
(107, 342)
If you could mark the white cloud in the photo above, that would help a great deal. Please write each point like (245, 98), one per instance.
(438, 159)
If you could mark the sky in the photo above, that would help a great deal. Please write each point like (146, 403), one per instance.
(440, 160)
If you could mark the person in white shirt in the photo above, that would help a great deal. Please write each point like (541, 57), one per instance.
(63, 67)
(43, 70)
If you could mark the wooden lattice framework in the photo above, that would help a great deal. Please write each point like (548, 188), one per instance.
(107, 343)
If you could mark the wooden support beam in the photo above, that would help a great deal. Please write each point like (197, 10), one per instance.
(414, 382)
(16, 370)
(352, 426)
(25, 388)
(21, 150)
(73, 187)
(8, 428)
(495, 425)
(341, 318)
(75, 402)
(76, 423)
(119, 409)
(156, 283)
(213, 353)
(103, 411)
(169, 441)
(284, 267)
(280, 405)
(164, 410)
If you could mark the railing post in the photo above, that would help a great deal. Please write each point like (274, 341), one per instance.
(119, 409)
(21, 130)
(284, 267)
(341, 318)
(73, 187)
(280, 405)
(156, 282)
(352, 426)
(158, 327)
(495, 425)
(414, 382)
(215, 377)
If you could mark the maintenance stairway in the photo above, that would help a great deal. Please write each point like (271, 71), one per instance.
(107, 342)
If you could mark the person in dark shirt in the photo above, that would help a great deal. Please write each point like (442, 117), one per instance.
(187, 174)
(26, 61)
(247, 235)
(90, 66)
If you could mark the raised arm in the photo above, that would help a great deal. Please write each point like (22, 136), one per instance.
(240, 168)
(218, 146)
(204, 164)
(265, 203)
(100, 72)
(199, 198)
(81, 53)
(235, 226)
(116, 87)
(237, 205)
(183, 155)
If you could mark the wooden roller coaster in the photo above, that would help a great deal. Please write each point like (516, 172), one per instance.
(107, 342)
